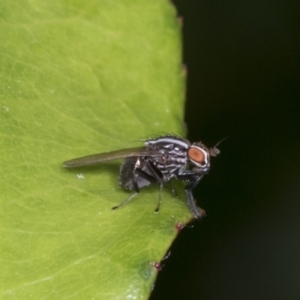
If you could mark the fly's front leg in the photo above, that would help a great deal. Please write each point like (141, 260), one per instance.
(191, 176)
(192, 179)
(196, 211)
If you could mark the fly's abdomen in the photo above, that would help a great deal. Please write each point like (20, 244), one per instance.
(128, 178)
(170, 165)
(126, 171)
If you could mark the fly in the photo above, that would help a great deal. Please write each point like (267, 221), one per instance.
(158, 161)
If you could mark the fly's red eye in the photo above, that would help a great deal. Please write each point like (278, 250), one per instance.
(196, 155)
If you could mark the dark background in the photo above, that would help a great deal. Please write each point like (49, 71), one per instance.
(243, 61)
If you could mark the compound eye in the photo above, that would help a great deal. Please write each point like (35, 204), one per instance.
(196, 155)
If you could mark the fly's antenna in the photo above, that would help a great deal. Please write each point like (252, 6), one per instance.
(215, 151)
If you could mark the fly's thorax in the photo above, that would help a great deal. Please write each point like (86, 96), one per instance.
(168, 142)
(172, 155)
(169, 164)
(171, 150)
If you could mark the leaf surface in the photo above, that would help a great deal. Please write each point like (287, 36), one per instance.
(82, 77)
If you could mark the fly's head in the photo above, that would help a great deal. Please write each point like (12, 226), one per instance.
(199, 156)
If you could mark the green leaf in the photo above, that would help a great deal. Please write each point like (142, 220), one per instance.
(81, 77)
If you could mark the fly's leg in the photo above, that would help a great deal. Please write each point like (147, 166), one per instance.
(196, 211)
(155, 177)
(173, 190)
(135, 179)
(137, 190)
(152, 176)
(159, 199)
(125, 202)
(192, 179)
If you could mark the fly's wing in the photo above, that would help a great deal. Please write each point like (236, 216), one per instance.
(106, 156)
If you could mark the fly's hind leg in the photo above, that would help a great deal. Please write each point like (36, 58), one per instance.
(155, 177)
(192, 181)
(126, 201)
(137, 190)
(128, 179)
(135, 174)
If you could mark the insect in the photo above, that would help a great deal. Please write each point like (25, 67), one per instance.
(158, 161)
